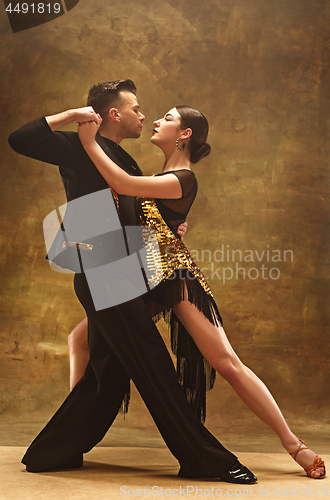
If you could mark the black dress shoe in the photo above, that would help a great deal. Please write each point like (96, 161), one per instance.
(238, 474)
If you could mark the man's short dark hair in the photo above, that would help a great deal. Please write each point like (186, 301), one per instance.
(106, 95)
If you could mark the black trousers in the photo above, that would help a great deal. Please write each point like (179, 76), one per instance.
(124, 343)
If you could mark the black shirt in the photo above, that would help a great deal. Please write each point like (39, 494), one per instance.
(79, 175)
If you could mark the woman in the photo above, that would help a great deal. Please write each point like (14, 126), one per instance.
(182, 135)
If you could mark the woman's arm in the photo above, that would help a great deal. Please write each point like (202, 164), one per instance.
(167, 186)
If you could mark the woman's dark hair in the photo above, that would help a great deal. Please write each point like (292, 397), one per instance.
(191, 118)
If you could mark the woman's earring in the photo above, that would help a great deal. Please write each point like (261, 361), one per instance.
(177, 145)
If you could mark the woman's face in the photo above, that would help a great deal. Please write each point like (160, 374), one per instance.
(167, 130)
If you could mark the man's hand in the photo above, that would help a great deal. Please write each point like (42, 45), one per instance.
(79, 115)
(87, 114)
(87, 131)
(182, 229)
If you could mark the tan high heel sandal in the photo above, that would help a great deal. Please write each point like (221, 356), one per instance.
(318, 462)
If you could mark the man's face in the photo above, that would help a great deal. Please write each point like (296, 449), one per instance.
(131, 119)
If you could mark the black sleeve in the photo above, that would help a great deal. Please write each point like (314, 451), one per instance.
(187, 180)
(36, 140)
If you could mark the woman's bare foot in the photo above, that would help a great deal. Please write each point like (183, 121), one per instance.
(307, 459)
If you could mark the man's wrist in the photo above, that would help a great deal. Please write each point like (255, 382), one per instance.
(60, 119)
(72, 115)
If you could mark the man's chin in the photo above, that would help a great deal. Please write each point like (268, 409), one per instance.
(133, 136)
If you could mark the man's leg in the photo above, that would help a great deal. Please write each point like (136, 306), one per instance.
(141, 354)
(137, 343)
(85, 416)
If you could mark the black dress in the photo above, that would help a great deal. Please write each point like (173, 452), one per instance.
(180, 275)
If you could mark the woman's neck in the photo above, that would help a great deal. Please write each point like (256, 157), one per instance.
(176, 161)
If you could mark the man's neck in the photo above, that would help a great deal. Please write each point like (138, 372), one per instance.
(110, 134)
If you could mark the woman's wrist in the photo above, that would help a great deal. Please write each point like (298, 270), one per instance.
(89, 144)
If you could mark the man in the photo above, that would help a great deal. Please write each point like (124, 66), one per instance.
(123, 340)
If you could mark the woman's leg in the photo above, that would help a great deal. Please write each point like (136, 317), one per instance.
(215, 347)
(78, 352)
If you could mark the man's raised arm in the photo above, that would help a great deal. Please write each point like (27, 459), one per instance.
(79, 115)
(38, 139)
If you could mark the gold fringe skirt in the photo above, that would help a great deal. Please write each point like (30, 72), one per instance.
(176, 278)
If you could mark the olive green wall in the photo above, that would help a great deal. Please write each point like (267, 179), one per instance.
(259, 70)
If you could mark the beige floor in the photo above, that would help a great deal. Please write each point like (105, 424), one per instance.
(130, 460)
(115, 473)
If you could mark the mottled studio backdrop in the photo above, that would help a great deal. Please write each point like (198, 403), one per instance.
(259, 71)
